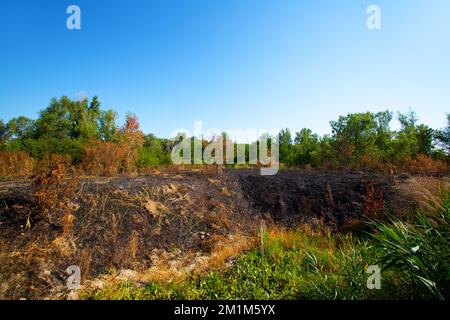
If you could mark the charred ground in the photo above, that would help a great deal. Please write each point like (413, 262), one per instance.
(175, 219)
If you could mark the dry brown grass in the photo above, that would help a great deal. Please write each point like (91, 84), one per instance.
(15, 164)
(52, 190)
(225, 248)
(178, 266)
(425, 192)
(420, 164)
(133, 243)
(103, 158)
(180, 169)
(85, 260)
(27, 271)
(423, 164)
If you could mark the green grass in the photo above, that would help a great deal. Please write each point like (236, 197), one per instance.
(413, 255)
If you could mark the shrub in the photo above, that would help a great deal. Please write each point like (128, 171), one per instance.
(52, 190)
(148, 157)
(425, 164)
(108, 158)
(103, 158)
(15, 164)
(373, 201)
(64, 160)
(132, 139)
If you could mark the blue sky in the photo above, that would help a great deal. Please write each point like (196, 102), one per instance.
(229, 63)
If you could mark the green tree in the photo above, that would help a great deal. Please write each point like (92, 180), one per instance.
(424, 137)
(109, 130)
(153, 152)
(355, 135)
(442, 137)
(54, 120)
(306, 148)
(384, 133)
(285, 146)
(3, 132)
(412, 139)
(20, 128)
(66, 118)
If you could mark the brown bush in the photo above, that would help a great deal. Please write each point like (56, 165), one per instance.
(424, 164)
(107, 158)
(375, 164)
(63, 160)
(15, 164)
(104, 158)
(52, 190)
(373, 201)
(132, 138)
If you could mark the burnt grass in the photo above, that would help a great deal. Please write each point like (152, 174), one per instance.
(125, 223)
(333, 197)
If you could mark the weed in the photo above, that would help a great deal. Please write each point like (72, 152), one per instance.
(52, 190)
(373, 201)
(418, 250)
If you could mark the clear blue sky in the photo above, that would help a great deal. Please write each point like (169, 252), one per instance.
(229, 63)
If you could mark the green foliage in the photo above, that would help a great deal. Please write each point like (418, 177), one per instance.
(63, 127)
(108, 129)
(66, 126)
(307, 148)
(357, 139)
(442, 137)
(153, 152)
(285, 143)
(361, 138)
(66, 118)
(20, 128)
(419, 250)
(3, 132)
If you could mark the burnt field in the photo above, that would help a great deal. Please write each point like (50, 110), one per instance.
(168, 225)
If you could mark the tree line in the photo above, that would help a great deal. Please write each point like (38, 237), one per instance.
(93, 139)
(360, 139)
(78, 128)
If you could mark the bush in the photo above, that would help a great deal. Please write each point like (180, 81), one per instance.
(104, 158)
(425, 164)
(15, 164)
(63, 160)
(52, 190)
(152, 157)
